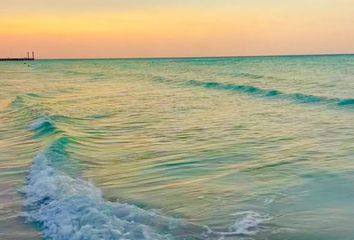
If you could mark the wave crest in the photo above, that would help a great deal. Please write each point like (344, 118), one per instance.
(271, 93)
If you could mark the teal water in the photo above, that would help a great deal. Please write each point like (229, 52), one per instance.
(211, 148)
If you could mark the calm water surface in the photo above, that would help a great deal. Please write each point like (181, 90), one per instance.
(224, 148)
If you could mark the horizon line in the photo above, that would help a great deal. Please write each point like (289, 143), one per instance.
(203, 57)
(195, 57)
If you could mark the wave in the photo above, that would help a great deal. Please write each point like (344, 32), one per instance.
(19, 100)
(70, 208)
(43, 126)
(248, 75)
(269, 93)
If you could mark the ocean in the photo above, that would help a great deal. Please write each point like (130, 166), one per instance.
(200, 148)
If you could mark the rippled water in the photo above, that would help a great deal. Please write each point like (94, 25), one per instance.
(223, 148)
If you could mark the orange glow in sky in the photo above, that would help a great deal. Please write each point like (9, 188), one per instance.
(156, 28)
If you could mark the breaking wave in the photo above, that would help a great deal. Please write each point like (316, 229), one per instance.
(65, 207)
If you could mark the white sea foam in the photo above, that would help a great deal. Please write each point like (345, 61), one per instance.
(71, 209)
(248, 222)
(67, 208)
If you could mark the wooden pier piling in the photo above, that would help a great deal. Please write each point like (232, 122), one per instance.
(28, 58)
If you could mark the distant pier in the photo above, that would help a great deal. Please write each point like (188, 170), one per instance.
(28, 58)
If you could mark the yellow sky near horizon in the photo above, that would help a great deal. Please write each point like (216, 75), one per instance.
(154, 28)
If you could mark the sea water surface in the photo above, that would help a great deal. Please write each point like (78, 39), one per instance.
(209, 148)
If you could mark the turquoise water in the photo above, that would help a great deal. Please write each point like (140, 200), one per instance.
(212, 148)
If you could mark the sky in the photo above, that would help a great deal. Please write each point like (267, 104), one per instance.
(183, 28)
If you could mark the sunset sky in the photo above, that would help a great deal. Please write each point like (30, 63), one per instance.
(166, 28)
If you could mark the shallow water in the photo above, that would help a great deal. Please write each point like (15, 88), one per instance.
(223, 148)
